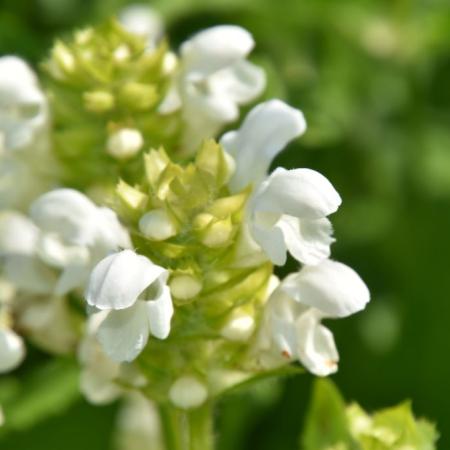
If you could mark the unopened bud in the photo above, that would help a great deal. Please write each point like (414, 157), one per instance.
(218, 234)
(187, 393)
(139, 96)
(239, 328)
(63, 57)
(98, 101)
(185, 287)
(124, 143)
(157, 225)
(12, 350)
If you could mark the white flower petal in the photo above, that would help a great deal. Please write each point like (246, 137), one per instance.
(308, 241)
(302, 193)
(272, 241)
(74, 276)
(111, 233)
(18, 234)
(12, 350)
(160, 312)
(118, 279)
(331, 287)
(68, 213)
(216, 48)
(266, 130)
(96, 389)
(242, 82)
(29, 274)
(316, 347)
(123, 334)
(23, 107)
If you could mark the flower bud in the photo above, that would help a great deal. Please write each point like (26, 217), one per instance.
(218, 233)
(185, 287)
(239, 328)
(187, 393)
(12, 350)
(139, 96)
(157, 225)
(98, 101)
(125, 143)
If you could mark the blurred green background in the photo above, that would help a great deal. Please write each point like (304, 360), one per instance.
(373, 79)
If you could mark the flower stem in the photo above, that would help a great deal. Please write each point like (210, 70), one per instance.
(187, 430)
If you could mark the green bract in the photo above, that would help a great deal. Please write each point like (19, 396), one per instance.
(331, 425)
(102, 81)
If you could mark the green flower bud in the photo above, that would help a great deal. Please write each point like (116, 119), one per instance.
(103, 83)
(98, 101)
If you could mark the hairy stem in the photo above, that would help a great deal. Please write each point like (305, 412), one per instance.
(187, 430)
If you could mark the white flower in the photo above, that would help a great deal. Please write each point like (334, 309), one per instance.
(142, 20)
(266, 130)
(23, 134)
(291, 326)
(54, 251)
(12, 350)
(288, 213)
(134, 291)
(215, 79)
(48, 322)
(288, 209)
(23, 106)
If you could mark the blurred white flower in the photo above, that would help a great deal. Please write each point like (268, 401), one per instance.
(291, 328)
(24, 120)
(47, 321)
(214, 80)
(54, 250)
(12, 349)
(23, 106)
(134, 292)
(98, 371)
(141, 19)
(138, 425)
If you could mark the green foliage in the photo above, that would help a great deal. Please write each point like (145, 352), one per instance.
(47, 390)
(327, 426)
(330, 425)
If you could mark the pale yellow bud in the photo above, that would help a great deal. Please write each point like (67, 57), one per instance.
(218, 234)
(185, 287)
(187, 393)
(157, 225)
(125, 143)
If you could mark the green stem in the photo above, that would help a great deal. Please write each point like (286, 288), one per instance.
(187, 430)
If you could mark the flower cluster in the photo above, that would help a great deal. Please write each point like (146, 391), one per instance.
(147, 238)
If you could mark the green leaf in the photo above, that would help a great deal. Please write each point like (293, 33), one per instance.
(326, 426)
(47, 390)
